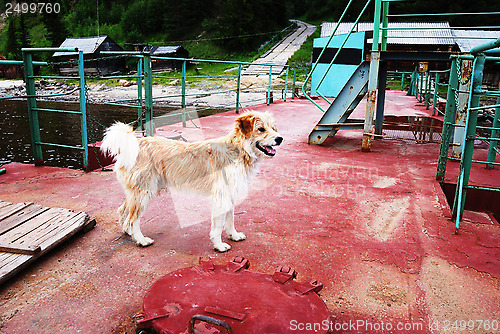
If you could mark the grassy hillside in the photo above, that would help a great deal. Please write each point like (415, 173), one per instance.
(219, 29)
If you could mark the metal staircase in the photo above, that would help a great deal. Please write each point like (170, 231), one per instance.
(339, 111)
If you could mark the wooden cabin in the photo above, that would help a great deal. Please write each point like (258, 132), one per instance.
(165, 51)
(96, 64)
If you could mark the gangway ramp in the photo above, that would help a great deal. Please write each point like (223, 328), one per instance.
(339, 111)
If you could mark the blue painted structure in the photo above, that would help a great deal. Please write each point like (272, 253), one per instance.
(349, 58)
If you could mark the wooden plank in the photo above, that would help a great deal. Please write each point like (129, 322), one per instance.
(29, 226)
(12, 209)
(72, 227)
(18, 262)
(19, 248)
(20, 217)
(42, 230)
(4, 204)
(48, 229)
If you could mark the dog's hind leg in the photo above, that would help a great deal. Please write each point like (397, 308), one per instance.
(220, 211)
(132, 225)
(231, 231)
(122, 216)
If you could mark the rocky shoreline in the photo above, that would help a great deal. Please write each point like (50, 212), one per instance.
(207, 93)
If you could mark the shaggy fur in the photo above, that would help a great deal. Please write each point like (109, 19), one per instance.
(220, 168)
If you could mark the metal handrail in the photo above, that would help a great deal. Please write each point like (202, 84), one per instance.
(308, 77)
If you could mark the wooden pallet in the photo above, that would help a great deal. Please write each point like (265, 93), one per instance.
(29, 230)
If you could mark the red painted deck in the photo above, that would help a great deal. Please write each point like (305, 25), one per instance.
(373, 227)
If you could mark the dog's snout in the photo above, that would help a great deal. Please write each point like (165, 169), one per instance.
(278, 140)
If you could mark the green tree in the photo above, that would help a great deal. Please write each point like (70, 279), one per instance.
(12, 48)
(57, 31)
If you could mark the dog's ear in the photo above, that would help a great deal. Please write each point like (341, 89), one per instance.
(245, 124)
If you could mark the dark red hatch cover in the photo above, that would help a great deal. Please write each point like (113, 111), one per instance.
(232, 299)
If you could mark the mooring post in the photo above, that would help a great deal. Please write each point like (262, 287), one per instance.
(83, 110)
(32, 112)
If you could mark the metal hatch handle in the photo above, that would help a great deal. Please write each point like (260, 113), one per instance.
(210, 320)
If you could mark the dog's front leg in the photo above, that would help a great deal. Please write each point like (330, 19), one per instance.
(219, 213)
(231, 231)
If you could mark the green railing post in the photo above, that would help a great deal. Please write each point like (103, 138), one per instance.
(269, 85)
(372, 81)
(148, 94)
(32, 113)
(427, 90)
(293, 83)
(414, 90)
(449, 119)
(376, 25)
(495, 133)
(436, 88)
(470, 134)
(139, 94)
(83, 110)
(410, 85)
(385, 24)
(238, 85)
(183, 101)
(402, 81)
(286, 83)
(421, 86)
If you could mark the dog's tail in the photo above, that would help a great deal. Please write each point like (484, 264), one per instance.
(120, 141)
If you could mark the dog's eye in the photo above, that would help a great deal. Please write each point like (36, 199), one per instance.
(261, 129)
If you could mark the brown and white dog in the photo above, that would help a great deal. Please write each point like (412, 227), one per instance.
(220, 168)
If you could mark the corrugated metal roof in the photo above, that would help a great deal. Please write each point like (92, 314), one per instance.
(157, 50)
(440, 35)
(88, 45)
(467, 39)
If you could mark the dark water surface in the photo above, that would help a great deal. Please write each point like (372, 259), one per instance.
(63, 128)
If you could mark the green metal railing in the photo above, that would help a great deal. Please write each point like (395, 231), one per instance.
(474, 108)
(380, 36)
(143, 103)
(425, 87)
(33, 110)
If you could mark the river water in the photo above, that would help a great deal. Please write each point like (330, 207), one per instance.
(61, 128)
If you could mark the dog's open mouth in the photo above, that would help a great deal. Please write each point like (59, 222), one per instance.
(267, 150)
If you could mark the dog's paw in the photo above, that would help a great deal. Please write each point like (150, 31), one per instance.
(127, 230)
(222, 247)
(145, 241)
(237, 236)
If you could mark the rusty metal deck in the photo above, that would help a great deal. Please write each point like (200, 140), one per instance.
(29, 230)
(373, 227)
